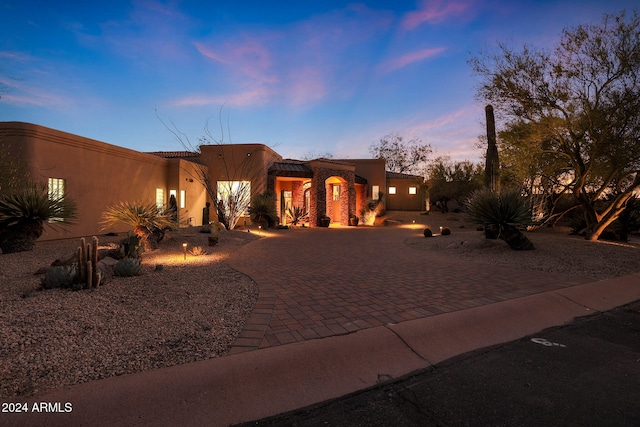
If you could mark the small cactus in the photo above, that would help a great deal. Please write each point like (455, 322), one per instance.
(62, 276)
(445, 231)
(131, 246)
(127, 267)
(427, 232)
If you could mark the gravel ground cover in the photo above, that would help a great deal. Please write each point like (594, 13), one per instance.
(187, 311)
(555, 249)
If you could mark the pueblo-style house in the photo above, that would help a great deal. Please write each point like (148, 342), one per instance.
(97, 175)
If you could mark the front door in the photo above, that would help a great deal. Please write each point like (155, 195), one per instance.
(335, 216)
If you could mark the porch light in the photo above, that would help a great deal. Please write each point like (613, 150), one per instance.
(184, 249)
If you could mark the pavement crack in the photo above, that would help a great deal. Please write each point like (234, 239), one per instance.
(407, 345)
(593, 310)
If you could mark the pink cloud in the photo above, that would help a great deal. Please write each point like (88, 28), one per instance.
(306, 85)
(434, 11)
(257, 96)
(249, 58)
(410, 58)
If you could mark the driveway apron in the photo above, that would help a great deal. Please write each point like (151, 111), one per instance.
(319, 282)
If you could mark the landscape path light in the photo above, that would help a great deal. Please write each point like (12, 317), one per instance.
(184, 249)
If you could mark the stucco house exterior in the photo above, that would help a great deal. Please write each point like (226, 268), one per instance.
(97, 175)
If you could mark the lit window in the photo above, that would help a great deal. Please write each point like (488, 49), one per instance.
(336, 193)
(375, 192)
(235, 196)
(183, 199)
(160, 199)
(392, 190)
(413, 190)
(55, 188)
(55, 191)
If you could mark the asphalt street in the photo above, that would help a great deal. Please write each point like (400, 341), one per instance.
(586, 373)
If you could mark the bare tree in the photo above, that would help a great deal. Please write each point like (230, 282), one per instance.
(231, 196)
(402, 156)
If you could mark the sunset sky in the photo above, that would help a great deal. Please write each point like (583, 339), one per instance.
(304, 77)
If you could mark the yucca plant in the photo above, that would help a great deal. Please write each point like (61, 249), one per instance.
(263, 209)
(148, 224)
(24, 211)
(296, 214)
(500, 214)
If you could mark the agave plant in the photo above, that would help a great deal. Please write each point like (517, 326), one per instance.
(500, 214)
(24, 212)
(148, 224)
(296, 214)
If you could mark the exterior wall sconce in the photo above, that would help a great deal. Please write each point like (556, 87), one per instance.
(184, 249)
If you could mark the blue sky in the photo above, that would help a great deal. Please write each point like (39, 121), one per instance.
(305, 78)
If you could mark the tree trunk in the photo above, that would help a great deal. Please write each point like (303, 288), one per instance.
(516, 239)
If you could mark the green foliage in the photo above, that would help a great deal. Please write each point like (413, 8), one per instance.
(32, 203)
(296, 214)
(572, 115)
(61, 276)
(24, 211)
(487, 208)
(127, 267)
(139, 214)
(456, 181)
(263, 209)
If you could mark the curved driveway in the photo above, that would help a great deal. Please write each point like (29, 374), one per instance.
(318, 282)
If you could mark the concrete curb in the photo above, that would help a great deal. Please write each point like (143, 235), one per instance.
(257, 384)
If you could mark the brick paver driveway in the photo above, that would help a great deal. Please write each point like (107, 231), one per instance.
(319, 282)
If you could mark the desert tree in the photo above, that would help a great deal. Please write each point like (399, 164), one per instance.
(449, 180)
(402, 155)
(577, 109)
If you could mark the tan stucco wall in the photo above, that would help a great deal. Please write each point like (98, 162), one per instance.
(402, 200)
(374, 171)
(97, 174)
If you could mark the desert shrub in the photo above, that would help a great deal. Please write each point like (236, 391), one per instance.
(445, 231)
(488, 208)
(127, 267)
(198, 251)
(500, 214)
(24, 212)
(147, 222)
(427, 232)
(263, 209)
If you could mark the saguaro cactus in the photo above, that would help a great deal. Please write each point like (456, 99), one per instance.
(492, 166)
